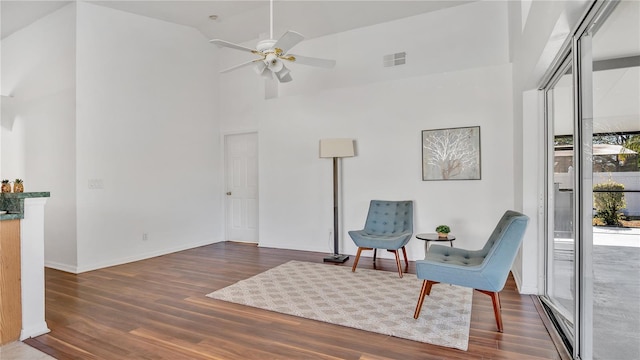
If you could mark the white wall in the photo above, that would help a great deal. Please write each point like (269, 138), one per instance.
(386, 119)
(38, 145)
(147, 131)
(457, 74)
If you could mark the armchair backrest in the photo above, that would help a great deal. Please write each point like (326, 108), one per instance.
(389, 217)
(501, 248)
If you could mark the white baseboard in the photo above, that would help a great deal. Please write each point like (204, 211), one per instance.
(124, 260)
(34, 331)
(143, 256)
(525, 290)
(291, 247)
(412, 256)
(62, 267)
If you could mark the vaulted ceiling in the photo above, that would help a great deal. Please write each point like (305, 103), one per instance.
(240, 21)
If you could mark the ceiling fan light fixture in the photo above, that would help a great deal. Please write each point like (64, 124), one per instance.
(277, 66)
(285, 78)
(274, 63)
(283, 73)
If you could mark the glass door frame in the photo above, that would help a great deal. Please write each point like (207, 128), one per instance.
(564, 66)
(577, 49)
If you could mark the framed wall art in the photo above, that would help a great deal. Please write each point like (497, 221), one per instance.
(451, 154)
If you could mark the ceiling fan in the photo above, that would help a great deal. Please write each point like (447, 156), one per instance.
(273, 54)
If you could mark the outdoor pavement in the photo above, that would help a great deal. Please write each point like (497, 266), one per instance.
(616, 290)
(611, 236)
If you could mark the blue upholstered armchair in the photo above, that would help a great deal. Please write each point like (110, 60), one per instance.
(485, 270)
(389, 226)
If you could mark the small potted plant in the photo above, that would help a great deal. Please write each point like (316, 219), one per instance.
(443, 230)
(18, 186)
(6, 187)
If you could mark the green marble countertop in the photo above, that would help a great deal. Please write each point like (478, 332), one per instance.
(13, 203)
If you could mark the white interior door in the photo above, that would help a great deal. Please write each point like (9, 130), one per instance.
(241, 167)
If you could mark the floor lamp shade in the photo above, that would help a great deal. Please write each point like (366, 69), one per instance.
(336, 148)
(330, 148)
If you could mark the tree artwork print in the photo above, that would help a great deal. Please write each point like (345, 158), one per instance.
(451, 154)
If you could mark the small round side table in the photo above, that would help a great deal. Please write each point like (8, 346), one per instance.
(434, 237)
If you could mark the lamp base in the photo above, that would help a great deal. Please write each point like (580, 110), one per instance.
(336, 258)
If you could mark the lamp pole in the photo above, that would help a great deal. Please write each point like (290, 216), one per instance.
(336, 257)
(335, 149)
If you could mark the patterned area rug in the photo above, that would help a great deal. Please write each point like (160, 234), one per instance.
(21, 351)
(371, 300)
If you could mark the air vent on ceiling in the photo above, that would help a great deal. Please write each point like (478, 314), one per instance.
(394, 59)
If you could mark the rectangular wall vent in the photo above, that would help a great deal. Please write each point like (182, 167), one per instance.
(394, 59)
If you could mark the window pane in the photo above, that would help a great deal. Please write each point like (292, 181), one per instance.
(616, 185)
(560, 288)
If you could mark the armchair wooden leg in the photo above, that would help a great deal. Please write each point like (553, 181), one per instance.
(375, 251)
(355, 262)
(495, 299)
(426, 290)
(395, 252)
(406, 261)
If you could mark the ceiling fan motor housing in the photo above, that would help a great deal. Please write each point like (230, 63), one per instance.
(265, 45)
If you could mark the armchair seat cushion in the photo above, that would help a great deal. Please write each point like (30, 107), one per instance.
(380, 241)
(451, 272)
(452, 266)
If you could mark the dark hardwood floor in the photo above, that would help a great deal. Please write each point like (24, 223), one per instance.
(157, 309)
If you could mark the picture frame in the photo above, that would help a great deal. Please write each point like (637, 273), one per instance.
(451, 154)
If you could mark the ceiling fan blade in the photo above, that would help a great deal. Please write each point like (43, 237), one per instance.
(288, 41)
(232, 45)
(312, 61)
(239, 66)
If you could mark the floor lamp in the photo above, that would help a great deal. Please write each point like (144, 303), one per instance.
(336, 148)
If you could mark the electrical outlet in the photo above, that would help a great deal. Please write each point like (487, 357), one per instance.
(145, 236)
(96, 184)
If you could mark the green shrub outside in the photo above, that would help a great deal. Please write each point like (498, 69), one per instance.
(608, 204)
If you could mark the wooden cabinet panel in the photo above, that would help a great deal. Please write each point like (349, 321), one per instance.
(10, 299)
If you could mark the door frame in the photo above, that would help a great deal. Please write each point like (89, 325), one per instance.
(577, 48)
(558, 315)
(223, 178)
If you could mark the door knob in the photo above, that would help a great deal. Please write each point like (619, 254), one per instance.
(228, 192)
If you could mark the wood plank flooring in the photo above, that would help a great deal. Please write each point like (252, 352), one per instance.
(157, 309)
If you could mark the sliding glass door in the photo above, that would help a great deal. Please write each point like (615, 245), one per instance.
(592, 109)
(560, 254)
(615, 175)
